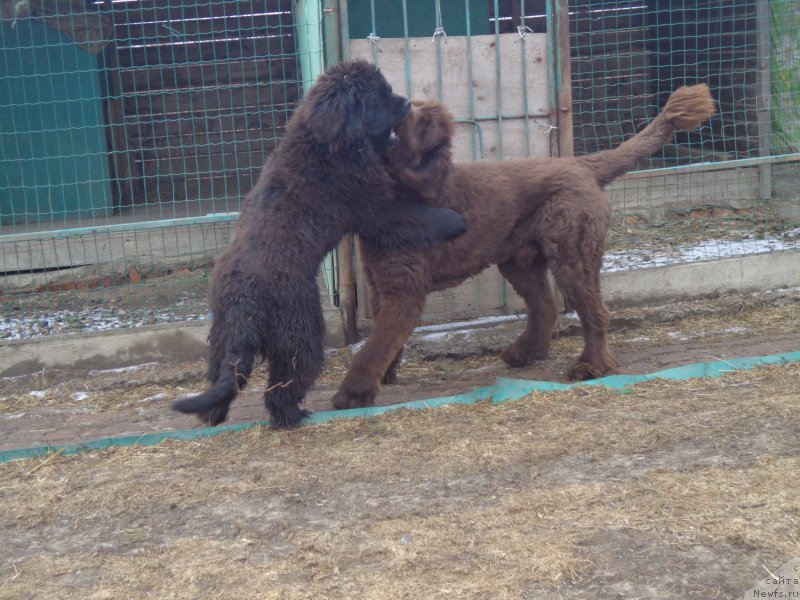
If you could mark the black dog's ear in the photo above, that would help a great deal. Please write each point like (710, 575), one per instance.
(336, 120)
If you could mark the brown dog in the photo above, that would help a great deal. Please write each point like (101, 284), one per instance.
(525, 216)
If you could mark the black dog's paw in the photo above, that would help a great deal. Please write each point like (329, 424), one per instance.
(214, 416)
(209, 416)
(447, 223)
(287, 416)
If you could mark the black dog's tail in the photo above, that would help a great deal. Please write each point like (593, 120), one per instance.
(686, 108)
(212, 405)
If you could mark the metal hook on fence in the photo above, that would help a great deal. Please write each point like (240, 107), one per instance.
(477, 126)
(373, 40)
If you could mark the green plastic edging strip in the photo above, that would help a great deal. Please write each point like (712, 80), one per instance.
(503, 390)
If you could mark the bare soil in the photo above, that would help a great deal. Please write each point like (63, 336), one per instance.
(663, 490)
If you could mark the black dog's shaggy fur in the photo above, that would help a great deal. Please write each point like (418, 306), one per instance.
(326, 179)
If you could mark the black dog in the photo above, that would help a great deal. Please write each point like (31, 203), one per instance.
(326, 179)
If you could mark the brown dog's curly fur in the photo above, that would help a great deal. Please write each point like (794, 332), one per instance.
(525, 216)
(326, 179)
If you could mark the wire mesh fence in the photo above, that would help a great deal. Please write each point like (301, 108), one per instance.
(132, 130)
(726, 189)
(131, 133)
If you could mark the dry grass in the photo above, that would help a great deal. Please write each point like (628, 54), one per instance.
(573, 494)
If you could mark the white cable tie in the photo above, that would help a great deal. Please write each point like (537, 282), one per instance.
(373, 40)
(439, 31)
(522, 30)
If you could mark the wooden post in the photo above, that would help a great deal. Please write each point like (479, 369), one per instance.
(764, 97)
(347, 290)
(563, 79)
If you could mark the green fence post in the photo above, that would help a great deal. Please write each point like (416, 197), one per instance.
(308, 16)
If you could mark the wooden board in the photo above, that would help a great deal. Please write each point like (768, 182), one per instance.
(512, 136)
(426, 64)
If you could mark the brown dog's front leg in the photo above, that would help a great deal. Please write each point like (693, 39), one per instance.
(393, 325)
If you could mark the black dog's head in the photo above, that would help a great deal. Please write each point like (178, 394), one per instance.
(352, 106)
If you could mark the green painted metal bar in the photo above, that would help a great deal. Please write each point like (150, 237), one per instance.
(308, 15)
(344, 28)
(498, 83)
(407, 49)
(727, 164)
(524, 67)
(374, 32)
(437, 35)
(331, 29)
(120, 227)
(471, 83)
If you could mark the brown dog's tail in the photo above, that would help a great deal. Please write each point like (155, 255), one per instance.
(686, 108)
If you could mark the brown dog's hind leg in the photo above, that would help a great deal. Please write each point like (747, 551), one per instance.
(583, 294)
(572, 238)
(529, 280)
(581, 287)
(393, 325)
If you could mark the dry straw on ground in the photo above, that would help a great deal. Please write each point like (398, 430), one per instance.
(668, 489)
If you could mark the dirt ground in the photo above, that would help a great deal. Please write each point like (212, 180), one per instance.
(663, 490)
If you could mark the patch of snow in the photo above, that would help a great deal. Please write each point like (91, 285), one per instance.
(38, 393)
(354, 348)
(16, 327)
(122, 369)
(439, 336)
(706, 250)
(158, 396)
(80, 396)
(735, 330)
(678, 335)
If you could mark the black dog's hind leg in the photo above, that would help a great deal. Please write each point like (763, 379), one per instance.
(295, 359)
(289, 380)
(404, 224)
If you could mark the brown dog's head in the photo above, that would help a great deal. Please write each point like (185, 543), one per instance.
(422, 159)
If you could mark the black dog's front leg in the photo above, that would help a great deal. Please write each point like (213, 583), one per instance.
(404, 224)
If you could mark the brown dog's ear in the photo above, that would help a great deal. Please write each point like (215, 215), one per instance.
(423, 159)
